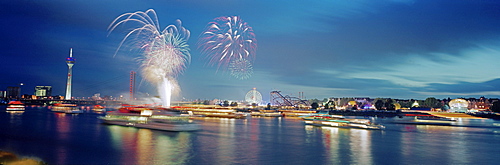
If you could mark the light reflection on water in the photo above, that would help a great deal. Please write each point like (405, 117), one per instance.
(15, 117)
(331, 143)
(441, 144)
(62, 129)
(360, 146)
(144, 146)
(358, 142)
(81, 139)
(225, 146)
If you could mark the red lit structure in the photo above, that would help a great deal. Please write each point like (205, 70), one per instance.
(132, 85)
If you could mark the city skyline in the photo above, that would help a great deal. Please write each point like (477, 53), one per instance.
(392, 49)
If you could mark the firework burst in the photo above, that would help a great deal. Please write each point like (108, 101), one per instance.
(241, 69)
(164, 52)
(227, 40)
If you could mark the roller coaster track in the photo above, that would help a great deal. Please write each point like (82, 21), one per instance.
(278, 99)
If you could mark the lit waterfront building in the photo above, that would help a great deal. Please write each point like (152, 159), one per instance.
(415, 104)
(70, 61)
(458, 105)
(97, 96)
(43, 91)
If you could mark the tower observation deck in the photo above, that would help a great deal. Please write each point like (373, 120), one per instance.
(70, 61)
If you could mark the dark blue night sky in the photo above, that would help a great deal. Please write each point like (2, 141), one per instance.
(363, 48)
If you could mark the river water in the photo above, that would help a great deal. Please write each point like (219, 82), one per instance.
(57, 138)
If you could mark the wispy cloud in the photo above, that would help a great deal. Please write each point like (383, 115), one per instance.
(471, 65)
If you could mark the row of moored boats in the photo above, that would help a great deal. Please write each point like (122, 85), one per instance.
(183, 118)
(340, 121)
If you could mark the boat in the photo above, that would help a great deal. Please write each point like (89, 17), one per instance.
(15, 106)
(340, 121)
(435, 119)
(99, 108)
(266, 113)
(127, 108)
(297, 112)
(151, 119)
(232, 115)
(427, 120)
(66, 108)
(213, 112)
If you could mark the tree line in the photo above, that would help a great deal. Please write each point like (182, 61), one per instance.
(391, 104)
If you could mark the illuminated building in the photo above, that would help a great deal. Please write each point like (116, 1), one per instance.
(70, 61)
(415, 104)
(30, 97)
(97, 96)
(482, 103)
(43, 91)
(458, 105)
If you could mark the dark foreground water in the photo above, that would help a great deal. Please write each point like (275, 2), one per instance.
(82, 139)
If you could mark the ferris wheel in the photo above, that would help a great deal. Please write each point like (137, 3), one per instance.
(253, 96)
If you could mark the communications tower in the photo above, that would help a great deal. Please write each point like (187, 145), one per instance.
(70, 61)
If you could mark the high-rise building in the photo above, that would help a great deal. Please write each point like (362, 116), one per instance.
(43, 91)
(13, 92)
(70, 61)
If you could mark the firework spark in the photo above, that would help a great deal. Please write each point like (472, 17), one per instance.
(241, 69)
(164, 52)
(226, 40)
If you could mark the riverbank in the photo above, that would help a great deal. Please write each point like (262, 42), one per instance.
(399, 113)
(11, 158)
(375, 113)
(59, 138)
